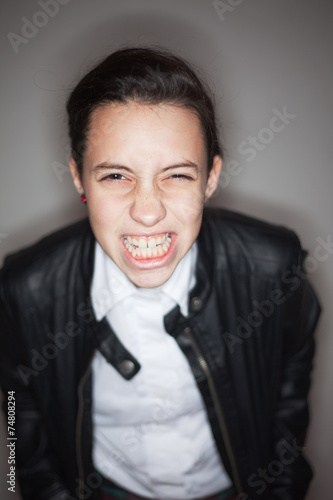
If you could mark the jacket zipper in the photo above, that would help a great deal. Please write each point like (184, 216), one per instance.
(218, 409)
(79, 425)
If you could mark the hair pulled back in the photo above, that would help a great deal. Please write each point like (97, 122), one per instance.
(144, 75)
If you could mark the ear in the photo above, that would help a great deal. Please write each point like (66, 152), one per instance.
(76, 176)
(213, 177)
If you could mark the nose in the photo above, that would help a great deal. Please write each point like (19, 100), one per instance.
(147, 208)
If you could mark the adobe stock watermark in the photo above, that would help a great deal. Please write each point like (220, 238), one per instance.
(265, 308)
(60, 169)
(39, 359)
(252, 145)
(31, 27)
(226, 6)
(265, 476)
(163, 410)
(85, 488)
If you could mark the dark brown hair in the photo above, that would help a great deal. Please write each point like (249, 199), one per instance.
(145, 75)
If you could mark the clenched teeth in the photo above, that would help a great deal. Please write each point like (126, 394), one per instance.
(143, 247)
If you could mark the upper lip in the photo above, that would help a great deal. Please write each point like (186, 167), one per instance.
(147, 235)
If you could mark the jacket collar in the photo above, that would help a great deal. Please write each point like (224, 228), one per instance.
(204, 280)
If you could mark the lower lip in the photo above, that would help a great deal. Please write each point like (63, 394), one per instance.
(151, 262)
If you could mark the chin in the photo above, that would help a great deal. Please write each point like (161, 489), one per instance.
(150, 279)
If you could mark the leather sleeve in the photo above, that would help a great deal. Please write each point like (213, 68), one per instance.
(292, 472)
(36, 466)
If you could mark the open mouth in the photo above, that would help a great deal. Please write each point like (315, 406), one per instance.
(142, 247)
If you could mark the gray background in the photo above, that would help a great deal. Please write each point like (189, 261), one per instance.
(259, 56)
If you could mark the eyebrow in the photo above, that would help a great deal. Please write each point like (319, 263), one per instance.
(108, 166)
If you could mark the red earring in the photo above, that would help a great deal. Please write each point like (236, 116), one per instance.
(83, 199)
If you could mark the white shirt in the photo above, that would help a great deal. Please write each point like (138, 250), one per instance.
(151, 434)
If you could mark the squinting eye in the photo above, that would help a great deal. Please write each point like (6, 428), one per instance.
(114, 177)
(181, 177)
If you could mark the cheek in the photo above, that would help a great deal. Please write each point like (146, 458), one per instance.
(186, 204)
(103, 216)
(103, 206)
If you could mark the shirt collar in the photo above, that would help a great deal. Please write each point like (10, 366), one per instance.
(110, 285)
(182, 280)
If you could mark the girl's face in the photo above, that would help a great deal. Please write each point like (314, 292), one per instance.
(145, 180)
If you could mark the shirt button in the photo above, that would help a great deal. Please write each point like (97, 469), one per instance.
(126, 367)
(196, 303)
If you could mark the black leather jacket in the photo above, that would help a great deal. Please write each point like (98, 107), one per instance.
(248, 339)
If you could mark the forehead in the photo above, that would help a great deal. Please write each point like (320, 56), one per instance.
(141, 129)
